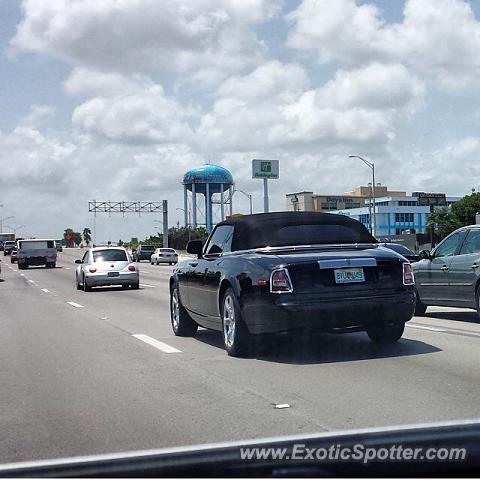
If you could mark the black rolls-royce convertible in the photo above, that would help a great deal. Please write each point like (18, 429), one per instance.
(284, 271)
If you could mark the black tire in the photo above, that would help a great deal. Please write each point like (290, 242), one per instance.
(237, 341)
(151, 263)
(386, 333)
(79, 286)
(158, 263)
(420, 307)
(183, 324)
(12, 260)
(86, 288)
(135, 286)
(125, 286)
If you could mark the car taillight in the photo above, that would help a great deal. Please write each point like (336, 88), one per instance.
(280, 281)
(92, 270)
(408, 278)
(131, 268)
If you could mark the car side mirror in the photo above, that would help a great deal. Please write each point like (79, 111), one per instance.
(425, 255)
(78, 261)
(195, 247)
(215, 250)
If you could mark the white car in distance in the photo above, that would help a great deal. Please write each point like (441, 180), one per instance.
(164, 255)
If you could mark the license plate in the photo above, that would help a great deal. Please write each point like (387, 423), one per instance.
(349, 275)
(113, 274)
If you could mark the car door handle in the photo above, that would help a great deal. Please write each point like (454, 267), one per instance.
(193, 264)
(444, 268)
(474, 266)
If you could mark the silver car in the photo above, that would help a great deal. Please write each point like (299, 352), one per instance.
(102, 266)
(164, 255)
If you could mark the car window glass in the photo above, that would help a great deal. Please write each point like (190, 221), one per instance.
(448, 247)
(471, 243)
(221, 239)
(84, 259)
(109, 256)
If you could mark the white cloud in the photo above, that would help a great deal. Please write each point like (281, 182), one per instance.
(270, 108)
(139, 115)
(439, 39)
(206, 39)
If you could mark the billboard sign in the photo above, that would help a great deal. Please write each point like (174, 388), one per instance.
(430, 199)
(265, 168)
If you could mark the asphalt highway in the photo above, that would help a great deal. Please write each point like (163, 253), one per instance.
(100, 372)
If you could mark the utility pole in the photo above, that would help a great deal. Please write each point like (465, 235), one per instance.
(165, 223)
(371, 165)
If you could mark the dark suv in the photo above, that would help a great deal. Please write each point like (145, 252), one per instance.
(449, 275)
(143, 252)
(8, 246)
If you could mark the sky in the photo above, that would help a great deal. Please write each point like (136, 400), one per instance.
(115, 100)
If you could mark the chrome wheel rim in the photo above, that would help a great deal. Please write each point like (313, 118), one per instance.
(175, 310)
(228, 321)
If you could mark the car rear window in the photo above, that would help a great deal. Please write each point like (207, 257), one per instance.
(109, 255)
(167, 250)
(148, 248)
(401, 249)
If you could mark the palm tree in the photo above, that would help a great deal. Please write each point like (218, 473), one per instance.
(87, 235)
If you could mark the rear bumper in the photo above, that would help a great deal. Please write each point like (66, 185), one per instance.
(102, 280)
(277, 313)
(166, 260)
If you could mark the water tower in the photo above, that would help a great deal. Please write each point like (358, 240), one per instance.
(207, 180)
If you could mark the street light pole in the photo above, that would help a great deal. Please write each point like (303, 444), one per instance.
(249, 195)
(371, 165)
(2, 219)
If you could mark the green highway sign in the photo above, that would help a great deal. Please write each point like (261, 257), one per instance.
(265, 169)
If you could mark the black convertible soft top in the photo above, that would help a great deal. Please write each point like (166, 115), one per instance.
(295, 228)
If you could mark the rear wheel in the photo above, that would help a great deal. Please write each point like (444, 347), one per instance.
(158, 263)
(236, 337)
(420, 307)
(86, 288)
(135, 286)
(182, 324)
(386, 333)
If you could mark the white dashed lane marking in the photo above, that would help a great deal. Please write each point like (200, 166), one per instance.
(76, 305)
(32, 281)
(45, 290)
(157, 344)
(421, 327)
(146, 285)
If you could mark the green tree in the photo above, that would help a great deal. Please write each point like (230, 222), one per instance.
(445, 220)
(68, 237)
(87, 235)
(466, 208)
(77, 238)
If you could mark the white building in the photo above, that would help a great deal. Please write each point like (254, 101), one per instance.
(395, 214)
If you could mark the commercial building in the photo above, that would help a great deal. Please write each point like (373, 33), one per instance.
(358, 197)
(396, 212)
(399, 214)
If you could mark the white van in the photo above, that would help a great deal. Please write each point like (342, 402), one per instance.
(36, 252)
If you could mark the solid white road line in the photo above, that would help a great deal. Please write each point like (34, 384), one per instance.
(76, 305)
(45, 290)
(155, 343)
(22, 274)
(146, 285)
(421, 327)
(32, 281)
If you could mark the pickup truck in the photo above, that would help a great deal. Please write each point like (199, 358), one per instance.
(36, 252)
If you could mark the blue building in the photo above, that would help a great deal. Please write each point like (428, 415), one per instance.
(395, 214)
